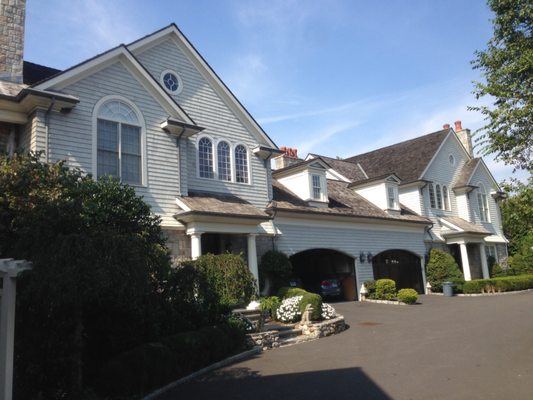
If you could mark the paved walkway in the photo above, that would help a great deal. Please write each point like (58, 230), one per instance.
(445, 348)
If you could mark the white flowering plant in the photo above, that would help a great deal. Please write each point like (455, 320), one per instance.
(328, 312)
(289, 310)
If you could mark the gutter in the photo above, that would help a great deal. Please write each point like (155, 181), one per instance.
(47, 128)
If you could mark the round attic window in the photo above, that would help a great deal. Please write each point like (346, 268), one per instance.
(171, 81)
(451, 159)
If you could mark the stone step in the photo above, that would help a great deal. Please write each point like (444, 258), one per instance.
(286, 334)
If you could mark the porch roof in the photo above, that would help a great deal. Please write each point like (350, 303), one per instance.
(458, 225)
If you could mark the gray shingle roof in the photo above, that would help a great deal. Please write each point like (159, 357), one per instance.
(11, 89)
(466, 173)
(406, 159)
(466, 226)
(342, 202)
(220, 204)
(345, 168)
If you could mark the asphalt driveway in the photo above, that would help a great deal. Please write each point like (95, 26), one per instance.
(444, 348)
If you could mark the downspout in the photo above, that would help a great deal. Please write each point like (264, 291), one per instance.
(46, 129)
(178, 139)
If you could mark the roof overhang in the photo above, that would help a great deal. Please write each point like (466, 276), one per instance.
(388, 178)
(180, 128)
(417, 184)
(201, 221)
(301, 166)
(463, 189)
(15, 109)
(266, 153)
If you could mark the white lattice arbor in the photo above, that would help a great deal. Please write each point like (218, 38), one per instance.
(9, 269)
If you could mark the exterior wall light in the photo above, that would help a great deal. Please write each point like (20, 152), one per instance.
(362, 257)
(369, 257)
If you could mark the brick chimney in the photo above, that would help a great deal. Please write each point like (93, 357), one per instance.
(289, 157)
(465, 137)
(12, 15)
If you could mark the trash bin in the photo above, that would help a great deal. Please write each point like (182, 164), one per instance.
(447, 289)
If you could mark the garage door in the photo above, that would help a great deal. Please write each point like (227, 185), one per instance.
(401, 266)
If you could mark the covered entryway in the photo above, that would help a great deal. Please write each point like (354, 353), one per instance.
(312, 266)
(401, 266)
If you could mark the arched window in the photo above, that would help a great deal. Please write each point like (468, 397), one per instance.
(224, 161)
(118, 143)
(446, 198)
(241, 164)
(205, 157)
(431, 195)
(482, 203)
(439, 196)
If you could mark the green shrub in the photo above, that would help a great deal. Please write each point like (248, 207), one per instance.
(385, 289)
(286, 292)
(407, 296)
(497, 271)
(276, 267)
(270, 304)
(152, 365)
(442, 268)
(522, 261)
(499, 284)
(228, 276)
(371, 288)
(316, 302)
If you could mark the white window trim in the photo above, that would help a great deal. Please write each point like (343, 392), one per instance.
(96, 109)
(214, 144)
(482, 193)
(312, 188)
(180, 82)
(396, 202)
(446, 204)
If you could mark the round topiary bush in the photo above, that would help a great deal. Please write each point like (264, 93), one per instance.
(316, 302)
(385, 289)
(407, 296)
(441, 268)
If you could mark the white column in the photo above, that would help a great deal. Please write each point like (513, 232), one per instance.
(252, 256)
(484, 265)
(424, 282)
(9, 270)
(464, 261)
(196, 245)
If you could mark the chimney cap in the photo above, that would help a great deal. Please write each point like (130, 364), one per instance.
(289, 152)
(446, 126)
(458, 126)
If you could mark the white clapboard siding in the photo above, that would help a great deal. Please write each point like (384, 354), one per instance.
(25, 135)
(411, 198)
(494, 225)
(70, 136)
(350, 241)
(442, 172)
(208, 110)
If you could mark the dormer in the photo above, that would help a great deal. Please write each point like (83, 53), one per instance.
(307, 180)
(381, 191)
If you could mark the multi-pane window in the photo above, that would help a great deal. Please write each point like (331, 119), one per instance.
(445, 198)
(439, 196)
(483, 204)
(241, 164)
(119, 143)
(317, 187)
(432, 196)
(224, 161)
(205, 158)
(391, 197)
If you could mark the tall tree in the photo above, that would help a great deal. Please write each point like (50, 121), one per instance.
(517, 213)
(507, 67)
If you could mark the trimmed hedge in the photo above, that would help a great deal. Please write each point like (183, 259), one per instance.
(385, 289)
(286, 292)
(407, 296)
(152, 365)
(316, 302)
(500, 284)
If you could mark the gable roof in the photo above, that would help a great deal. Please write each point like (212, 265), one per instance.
(466, 173)
(343, 202)
(172, 31)
(350, 170)
(457, 224)
(407, 159)
(301, 164)
(100, 61)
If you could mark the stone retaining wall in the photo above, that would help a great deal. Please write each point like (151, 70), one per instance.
(266, 340)
(324, 328)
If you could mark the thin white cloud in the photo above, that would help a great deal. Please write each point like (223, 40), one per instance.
(313, 141)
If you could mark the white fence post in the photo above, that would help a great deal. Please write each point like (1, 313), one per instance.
(9, 269)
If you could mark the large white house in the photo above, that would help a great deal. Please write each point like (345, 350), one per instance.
(155, 115)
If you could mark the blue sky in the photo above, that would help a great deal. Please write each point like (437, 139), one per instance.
(335, 77)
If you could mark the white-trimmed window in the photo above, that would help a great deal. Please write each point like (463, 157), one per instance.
(171, 81)
(317, 187)
(224, 161)
(446, 198)
(431, 196)
(205, 158)
(391, 197)
(241, 164)
(439, 196)
(119, 142)
(482, 203)
(491, 252)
